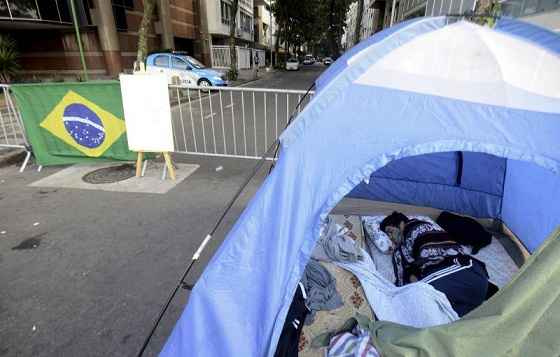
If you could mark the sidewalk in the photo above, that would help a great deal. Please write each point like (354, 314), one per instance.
(248, 75)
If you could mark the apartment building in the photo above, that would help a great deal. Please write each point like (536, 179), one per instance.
(372, 21)
(545, 13)
(264, 24)
(46, 40)
(219, 14)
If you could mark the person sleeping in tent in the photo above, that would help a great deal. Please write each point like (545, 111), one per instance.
(425, 252)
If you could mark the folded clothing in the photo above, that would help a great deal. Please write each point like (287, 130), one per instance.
(352, 344)
(320, 288)
(337, 242)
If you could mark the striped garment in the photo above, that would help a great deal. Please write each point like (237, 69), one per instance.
(347, 344)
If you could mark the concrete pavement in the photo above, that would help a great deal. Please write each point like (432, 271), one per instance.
(84, 273)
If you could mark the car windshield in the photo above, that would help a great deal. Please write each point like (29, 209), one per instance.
(292, 60)
(194, 62)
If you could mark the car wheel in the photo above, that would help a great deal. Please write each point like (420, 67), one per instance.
(204, 83)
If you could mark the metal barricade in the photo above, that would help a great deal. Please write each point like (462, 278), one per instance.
(234, 122)
(12, 132)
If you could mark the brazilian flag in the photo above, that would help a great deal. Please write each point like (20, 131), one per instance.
(69, 123)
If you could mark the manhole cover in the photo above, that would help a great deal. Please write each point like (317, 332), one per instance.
(110, 174)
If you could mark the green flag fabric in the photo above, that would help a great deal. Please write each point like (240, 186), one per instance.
(70, 123)
(522, 319)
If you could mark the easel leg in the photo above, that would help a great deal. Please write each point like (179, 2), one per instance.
(144, 167)
(139, 163)
(169, 165)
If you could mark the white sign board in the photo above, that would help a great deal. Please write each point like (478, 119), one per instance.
(147, 112)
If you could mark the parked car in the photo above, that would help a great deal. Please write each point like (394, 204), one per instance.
(308, 60)
(327, 61)
(183, 69)
(292, 64)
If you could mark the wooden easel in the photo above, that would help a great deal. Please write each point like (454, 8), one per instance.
(140, 68)
(168, 164)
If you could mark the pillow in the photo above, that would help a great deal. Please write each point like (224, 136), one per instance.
(375, 235)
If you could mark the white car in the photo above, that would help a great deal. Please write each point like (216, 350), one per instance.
(292, 64)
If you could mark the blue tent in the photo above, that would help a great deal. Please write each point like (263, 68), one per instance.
(432, 112)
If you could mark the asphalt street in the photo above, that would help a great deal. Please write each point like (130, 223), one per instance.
(84, 273)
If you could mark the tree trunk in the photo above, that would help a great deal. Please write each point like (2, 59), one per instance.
(232, 52)
(359, 16)
(330, 32)
(276, 47)
(149, 6)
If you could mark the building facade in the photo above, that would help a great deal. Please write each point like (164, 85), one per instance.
(372, 21)
(219, 15)
(46, 40)
(545, 13)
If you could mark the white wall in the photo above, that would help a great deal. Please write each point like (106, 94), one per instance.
(214, 16)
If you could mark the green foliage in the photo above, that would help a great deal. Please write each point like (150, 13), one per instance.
(487, 16)
(316, 23)
(9, 65)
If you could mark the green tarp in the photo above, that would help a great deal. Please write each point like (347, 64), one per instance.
(70, 123)
(522, 319)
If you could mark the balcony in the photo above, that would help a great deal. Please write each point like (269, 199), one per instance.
(521, 8)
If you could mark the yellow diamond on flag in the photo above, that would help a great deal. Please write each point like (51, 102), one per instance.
(83, 125)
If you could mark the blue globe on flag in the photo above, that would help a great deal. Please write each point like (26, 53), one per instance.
(83, 125)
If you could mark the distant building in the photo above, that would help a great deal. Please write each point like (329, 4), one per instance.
(545, 13)
(46, 39)
(372, 21)
(219, 14)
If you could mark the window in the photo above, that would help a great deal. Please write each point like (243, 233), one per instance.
(226, 12)
(179, 63)
(119, 11)
(161, 61)
(4, 9)
(49, 10)
(24, 9)
(127, 4)
(64, 10)
(246, 22)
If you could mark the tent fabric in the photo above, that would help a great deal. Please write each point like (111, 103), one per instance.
(239, 304)
(530, 207)
(448, 181)
(522, 319)
(342, 63)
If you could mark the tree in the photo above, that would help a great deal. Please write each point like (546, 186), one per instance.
(311, 22)
(232, 52)
(8, 59)
(149, 6)
(359, 16)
